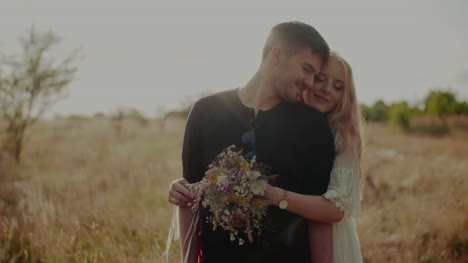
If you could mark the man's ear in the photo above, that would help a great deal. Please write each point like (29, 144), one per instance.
(275, 54)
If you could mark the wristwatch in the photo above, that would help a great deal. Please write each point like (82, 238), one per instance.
(283, 204)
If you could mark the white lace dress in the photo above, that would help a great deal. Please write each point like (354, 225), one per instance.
(344, 191)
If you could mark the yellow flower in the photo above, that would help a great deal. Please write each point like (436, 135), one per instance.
(214, 179)
(258, 202)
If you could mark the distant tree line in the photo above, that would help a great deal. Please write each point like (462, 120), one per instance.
(438, 104)
(186, 105)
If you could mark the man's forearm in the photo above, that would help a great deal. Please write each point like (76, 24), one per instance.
(185, 218)
(320, 241)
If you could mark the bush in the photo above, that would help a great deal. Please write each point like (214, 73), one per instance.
(400, 113)
(441, 103)
(377, 112)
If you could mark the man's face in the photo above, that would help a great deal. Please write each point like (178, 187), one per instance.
(296, 73)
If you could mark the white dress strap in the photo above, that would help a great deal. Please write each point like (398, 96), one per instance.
(174, 232)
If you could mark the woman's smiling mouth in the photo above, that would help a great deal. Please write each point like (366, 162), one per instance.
(321, 99)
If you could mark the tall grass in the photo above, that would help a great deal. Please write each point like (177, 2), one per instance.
(86, 194)
(416, 198)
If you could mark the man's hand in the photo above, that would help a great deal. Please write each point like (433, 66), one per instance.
(179, 194)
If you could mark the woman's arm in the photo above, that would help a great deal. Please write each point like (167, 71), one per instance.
(185, 218)
(342, 195)
(311, 207)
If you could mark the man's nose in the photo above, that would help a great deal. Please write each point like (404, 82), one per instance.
(309, 82)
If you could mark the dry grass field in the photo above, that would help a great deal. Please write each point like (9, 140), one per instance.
(84, 193)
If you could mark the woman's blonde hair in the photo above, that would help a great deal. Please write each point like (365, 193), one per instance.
(345, 119)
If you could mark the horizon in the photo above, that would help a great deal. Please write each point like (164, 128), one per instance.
(151, 56)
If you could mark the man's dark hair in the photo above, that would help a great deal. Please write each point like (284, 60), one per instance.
(295, 36)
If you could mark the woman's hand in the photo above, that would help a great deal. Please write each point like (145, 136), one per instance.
(274, 194)
(179, 194)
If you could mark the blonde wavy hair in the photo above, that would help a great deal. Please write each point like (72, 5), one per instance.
(345, 119)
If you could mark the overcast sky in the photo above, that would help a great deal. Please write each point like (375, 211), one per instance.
(149, 54)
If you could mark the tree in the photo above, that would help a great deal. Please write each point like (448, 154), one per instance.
(462, 108)
(30, 83)
(440, 103)
(377, 112)
(380, 111)
(400, 113)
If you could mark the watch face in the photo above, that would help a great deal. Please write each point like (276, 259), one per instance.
(283, 204)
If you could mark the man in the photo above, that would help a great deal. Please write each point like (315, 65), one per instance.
(292, 138)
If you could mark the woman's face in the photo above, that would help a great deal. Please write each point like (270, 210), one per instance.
(328, 88)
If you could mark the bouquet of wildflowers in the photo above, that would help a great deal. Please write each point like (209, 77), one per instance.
(232, 191)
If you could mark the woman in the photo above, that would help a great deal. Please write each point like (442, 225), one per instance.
(333, 93)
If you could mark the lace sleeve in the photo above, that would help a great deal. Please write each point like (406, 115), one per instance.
(344, 189)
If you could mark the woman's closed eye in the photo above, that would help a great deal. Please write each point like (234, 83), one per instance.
(338, 87)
